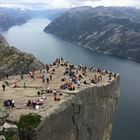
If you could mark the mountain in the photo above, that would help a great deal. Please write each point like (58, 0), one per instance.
(47, 13)
(111, 30)
(10, 17)
(13, 60)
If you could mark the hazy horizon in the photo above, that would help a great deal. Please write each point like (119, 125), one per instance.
(55, 4)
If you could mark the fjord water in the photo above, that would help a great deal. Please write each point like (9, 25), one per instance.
(30, 37)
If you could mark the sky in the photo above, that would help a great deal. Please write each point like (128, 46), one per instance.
(67, 3)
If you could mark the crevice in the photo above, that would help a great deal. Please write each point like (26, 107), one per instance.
(76, 109)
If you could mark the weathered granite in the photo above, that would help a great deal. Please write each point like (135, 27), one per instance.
(3, 115)
(86, 115)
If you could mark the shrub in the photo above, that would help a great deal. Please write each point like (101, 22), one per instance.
(29, 121)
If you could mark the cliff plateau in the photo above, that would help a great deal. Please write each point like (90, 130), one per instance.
(85, 115)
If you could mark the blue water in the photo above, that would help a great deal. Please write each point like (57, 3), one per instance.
(30, 37)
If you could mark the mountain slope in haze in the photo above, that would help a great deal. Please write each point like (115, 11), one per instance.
(111, 30)
(50, 14)
(12, 61)
(10, 17)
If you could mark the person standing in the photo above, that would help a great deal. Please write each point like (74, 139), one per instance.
(43, 78)
(24, 84)
(3, 87)
(6, 76)
(13, 103)
(47, 80)
(50, 76)
(21, 75)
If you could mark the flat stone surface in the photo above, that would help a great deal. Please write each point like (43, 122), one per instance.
(21, 95)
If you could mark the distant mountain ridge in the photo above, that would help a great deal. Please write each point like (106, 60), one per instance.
(111, 30)
(10, 17)
(47, 13)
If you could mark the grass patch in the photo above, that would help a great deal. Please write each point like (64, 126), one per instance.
(29, 121)
(8, 135)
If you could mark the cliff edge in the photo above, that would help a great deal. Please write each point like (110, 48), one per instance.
(76, 103)
(86, 115)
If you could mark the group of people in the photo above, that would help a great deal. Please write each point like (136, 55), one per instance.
(73, 77)
(9, 103)
(67, 85)
(46, 78)
(96, 79)
(76, 73)
(57, 95)
(35, 103)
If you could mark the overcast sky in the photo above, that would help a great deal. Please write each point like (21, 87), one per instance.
(68, 3)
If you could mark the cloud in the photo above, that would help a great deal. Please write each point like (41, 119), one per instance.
(130, 3)
(68, 3)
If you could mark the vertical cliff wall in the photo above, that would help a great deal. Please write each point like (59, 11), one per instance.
(86, 115)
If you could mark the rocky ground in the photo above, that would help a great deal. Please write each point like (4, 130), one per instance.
(21, 95)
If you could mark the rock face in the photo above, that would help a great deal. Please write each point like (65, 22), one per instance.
(111, 30)
(14, 61)
(86, 115)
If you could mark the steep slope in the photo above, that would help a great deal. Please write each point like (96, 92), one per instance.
(10, 17)
(87, 114)
(111, 30)
(12, 61)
